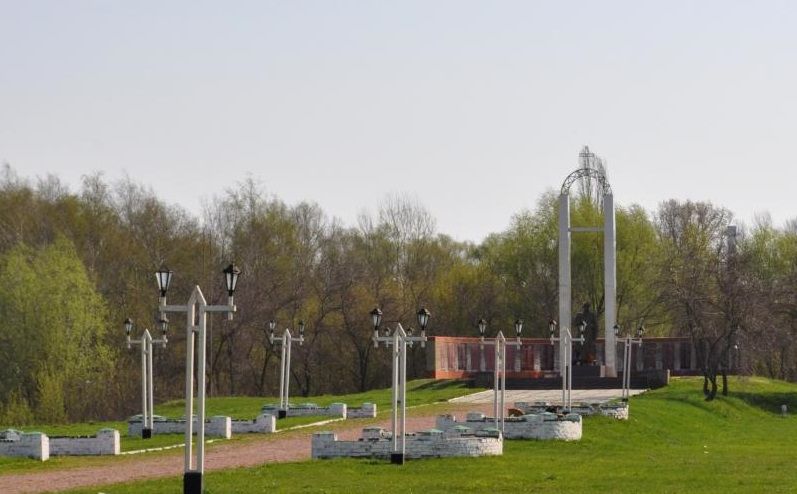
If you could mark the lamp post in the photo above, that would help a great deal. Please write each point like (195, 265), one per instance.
(196, 310)
(566, 339)
(499, 367)
(398, 341)
(147, 393)
(285, 366)
(628, 343)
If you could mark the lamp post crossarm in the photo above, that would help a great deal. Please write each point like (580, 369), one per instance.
(174, 308)
(284, 338)
(422, 339)
(504, 341)
(219, 308)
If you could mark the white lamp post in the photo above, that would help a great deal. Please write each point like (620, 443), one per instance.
(196, 310)
(285, 369)
(566, 338)
(628, 342)
(147, 393)
(499, 367)
(399, 340)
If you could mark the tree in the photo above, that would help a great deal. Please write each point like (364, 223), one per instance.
(54, 325)
(694, 283)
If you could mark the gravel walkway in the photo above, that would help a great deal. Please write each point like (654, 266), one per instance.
(291, 446)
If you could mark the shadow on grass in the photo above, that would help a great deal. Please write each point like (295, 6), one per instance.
(769, 402)
(442, 384)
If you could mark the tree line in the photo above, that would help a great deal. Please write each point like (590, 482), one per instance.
(75, 264)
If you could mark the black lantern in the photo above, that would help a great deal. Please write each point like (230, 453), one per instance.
(423, 318)
(552, 327)
(128, 326)
(376, 318)
(231, 274)
(163, 322)
(301, 329)
(272, 324)
(164, 277)
(616, 330)
(518, 327)
(482, 326)
(640, 331)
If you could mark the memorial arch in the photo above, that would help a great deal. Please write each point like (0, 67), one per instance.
(609, 263)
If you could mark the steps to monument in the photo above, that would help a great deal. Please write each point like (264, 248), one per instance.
(637, 382)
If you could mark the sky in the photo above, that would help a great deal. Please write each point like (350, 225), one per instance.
(473, 108)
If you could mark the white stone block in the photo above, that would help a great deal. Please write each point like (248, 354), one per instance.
(367, 410)
(106, 442)
(425, 444)
(31, 445)
(263, 424)
(214, 427)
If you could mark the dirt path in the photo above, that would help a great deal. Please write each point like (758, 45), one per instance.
(292, 446)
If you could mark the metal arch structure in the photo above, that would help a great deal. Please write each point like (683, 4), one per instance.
(609, 266)
(606, 188)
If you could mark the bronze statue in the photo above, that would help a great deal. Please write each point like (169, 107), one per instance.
(587, 353)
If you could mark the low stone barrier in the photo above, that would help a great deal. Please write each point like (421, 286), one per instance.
(264, 423)
(220, 426)
(25, 444)
(543, 426)
(433, 443)
(618, 411)
(106, 442)
(305, 410)
(366, 411)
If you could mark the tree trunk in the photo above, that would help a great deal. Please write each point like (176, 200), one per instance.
(724, 382)
(712, 393)
(362, 364)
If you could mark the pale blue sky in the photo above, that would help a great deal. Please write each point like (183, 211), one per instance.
(475, 107)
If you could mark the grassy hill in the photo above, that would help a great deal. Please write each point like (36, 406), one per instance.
(674, 442)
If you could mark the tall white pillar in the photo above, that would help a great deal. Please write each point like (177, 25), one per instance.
(610, 285)
(565, 296)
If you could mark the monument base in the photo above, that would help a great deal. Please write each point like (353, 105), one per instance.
(193, 483)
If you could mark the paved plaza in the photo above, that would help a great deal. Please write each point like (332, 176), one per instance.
(553, 396)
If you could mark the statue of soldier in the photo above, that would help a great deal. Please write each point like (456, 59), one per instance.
(587, 353)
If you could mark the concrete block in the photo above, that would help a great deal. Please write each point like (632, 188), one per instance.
(214, 427)
(106, 442)
(424, 444)
(263, 424)
(544, 426)
(34, 445)
(367, 410)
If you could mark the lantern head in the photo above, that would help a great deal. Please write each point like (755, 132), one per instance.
(423, 318)
(164, 277)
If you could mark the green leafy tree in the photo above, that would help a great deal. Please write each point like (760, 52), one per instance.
(53, 332)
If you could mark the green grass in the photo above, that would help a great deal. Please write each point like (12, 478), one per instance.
(420, 392)
(674, 442)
